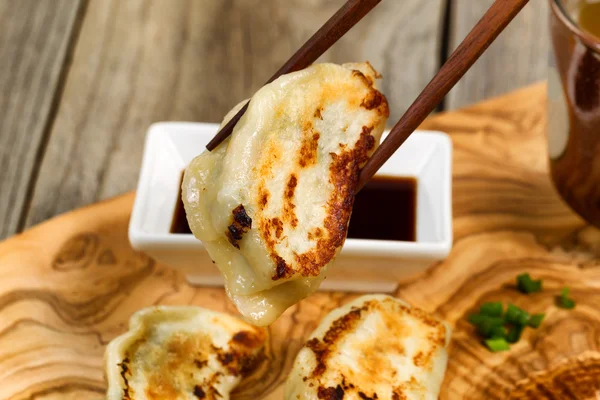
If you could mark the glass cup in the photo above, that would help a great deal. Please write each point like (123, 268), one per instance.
(574, 109)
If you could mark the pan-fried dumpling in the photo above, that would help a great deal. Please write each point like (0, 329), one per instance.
(182, 353)
(272, 203)
(375, 347)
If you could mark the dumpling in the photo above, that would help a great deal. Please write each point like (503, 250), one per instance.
(375, 347)
(182, 353)
(272, 203)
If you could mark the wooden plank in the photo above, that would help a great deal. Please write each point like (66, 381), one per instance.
(138, 62)
(34, 38)
(73, 282)
(518, 57)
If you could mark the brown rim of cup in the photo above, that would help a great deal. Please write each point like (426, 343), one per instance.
(588, 39)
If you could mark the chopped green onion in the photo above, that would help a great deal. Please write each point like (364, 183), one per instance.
(491, 309)
(536, 320)
(498, 328)
(478, 319)
(487, 326)
(524, 318)
(564, 301)
(515, 315)
(567, 303)
(498, 332)
(527, 285)
(515, 334)
(497, 344)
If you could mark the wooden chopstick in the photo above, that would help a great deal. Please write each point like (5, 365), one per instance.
(340, 23)
(465, 55)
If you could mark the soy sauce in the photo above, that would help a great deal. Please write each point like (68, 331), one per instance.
(180, 223)
(385, 209)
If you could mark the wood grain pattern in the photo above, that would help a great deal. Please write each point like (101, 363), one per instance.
(518, 57)
(69, 285)
(34, 38)
(142, 61)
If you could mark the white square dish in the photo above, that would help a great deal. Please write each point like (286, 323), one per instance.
(362, 266)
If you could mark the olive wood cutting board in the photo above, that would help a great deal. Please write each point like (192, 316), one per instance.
(69, 285)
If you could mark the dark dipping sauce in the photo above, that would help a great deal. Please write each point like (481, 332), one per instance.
(180, 223)
(385, 209)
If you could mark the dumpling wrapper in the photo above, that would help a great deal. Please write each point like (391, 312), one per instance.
(375, 347)
(271, 204)
(182, 353)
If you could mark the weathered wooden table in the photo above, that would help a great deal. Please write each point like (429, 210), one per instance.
(81, 80)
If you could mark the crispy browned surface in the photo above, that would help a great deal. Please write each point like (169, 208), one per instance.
(310, 144)
(240, 224)
(340, 327)
(126, 374)
(375, 364)
(174, 362)
(289, 215)
(180, 356)
(343, 173)
(281, 268)
(248, 339)
(330, 393)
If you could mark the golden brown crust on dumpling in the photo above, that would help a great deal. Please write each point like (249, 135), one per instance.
(367, 350)
(182, 353)
(291, 163)
(358, 90)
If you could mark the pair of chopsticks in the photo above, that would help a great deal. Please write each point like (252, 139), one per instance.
(470, 49)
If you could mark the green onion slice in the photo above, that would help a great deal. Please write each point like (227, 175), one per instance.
(536, 320)
(516, 316)
(492, 309)
(488, 325)
(564, 301)
(527, 285)
(514, 334)
(497, 344)
(498, 332)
